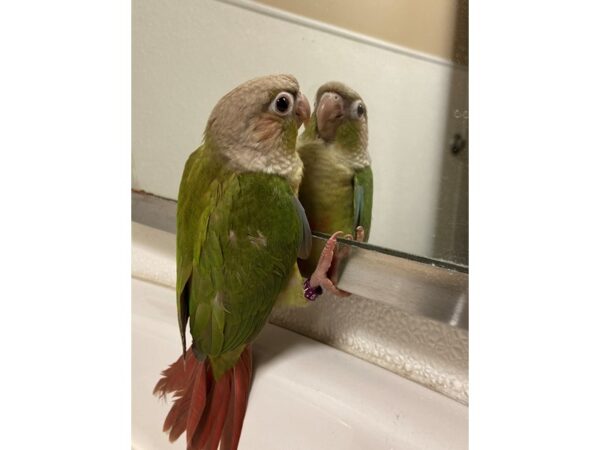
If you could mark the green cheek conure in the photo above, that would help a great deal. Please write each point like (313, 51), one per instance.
(240, 229)
(337, 186)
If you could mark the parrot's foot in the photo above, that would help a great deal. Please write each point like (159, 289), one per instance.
(326, 261)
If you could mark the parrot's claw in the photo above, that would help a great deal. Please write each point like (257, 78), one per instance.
(327, 259)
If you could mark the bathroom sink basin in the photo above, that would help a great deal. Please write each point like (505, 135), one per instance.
(305, 395)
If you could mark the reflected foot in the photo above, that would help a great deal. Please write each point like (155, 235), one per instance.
(360, 234)
(320, 275)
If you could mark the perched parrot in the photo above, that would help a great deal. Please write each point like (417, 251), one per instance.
(240, 229)
(337, 186)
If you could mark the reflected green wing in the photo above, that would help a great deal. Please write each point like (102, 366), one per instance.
(363, 199)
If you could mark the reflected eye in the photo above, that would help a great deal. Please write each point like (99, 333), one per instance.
(283, 104)
(358, 109)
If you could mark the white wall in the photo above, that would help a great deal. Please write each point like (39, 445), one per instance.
(187, 54)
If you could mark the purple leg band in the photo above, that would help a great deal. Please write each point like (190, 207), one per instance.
(311, 293)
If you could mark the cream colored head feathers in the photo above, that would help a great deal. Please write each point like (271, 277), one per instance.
(255, 126)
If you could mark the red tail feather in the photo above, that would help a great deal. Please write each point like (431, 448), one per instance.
(209, 411)
(199, 394)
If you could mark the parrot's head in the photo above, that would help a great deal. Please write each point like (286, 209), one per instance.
(340, 116)
(256, 124)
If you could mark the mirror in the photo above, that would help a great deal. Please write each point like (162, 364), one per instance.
(406, 59)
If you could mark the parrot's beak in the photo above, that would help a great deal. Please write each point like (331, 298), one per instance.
(330, 111)
(302, 110)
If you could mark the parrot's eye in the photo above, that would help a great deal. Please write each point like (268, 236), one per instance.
(358, 109)
(283, 104)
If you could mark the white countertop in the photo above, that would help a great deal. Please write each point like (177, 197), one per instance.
(305, 395)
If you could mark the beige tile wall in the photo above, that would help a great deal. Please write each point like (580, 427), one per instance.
(436, 27)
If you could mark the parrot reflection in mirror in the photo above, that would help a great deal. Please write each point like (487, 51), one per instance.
(240, 229)
(337, 187)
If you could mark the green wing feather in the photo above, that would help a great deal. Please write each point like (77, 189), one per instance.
(306, 240)
(237, 240)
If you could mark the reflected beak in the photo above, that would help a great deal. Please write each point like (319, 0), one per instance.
(302, 110)
(330, 111)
